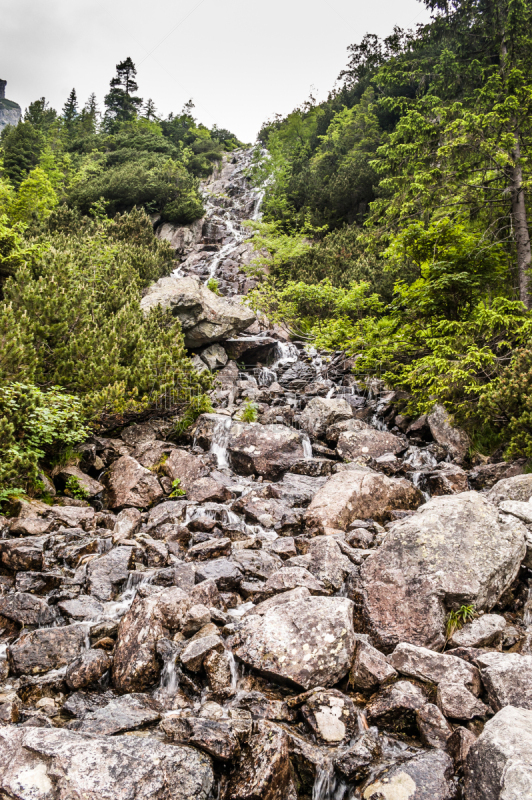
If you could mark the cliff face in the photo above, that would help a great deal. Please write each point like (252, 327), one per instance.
(10, 113)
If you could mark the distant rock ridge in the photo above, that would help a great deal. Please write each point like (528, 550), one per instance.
(10, 112)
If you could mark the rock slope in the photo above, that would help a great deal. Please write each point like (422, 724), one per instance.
(283, 630)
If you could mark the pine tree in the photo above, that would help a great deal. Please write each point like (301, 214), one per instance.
(121, 105)
(149, 111)
(70, 109)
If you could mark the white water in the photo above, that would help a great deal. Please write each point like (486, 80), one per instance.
(169, 677)
(220, 438)
(527, 614)
(327, 785)
(307, 447)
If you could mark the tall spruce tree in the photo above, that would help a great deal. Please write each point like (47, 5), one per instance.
(121, 104)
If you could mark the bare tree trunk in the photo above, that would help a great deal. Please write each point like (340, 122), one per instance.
(521, 232)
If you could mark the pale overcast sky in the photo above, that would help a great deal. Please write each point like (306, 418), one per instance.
(240, 60)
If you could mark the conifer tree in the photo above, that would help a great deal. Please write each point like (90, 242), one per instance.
(121, 103)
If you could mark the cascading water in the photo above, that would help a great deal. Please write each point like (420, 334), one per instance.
(220, 439)
(327, 784)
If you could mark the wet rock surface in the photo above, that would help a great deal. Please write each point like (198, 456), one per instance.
(304, 622)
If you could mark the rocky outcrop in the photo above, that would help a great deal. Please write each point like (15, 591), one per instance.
(204, 316)
(499, 764)
(453, 551)
(52, 764)
(307, 642)
(358, 494)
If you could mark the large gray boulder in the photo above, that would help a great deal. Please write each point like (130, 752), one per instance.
(55, 764)
(454, 550)
(499, 764)
(308, 642)
(366, 442)
(358, 494)
(205, 317)
(427, 776)
(320, 413)
(454, 440)
(181, 237)
(507, 678)
(129, 484)
(517, 488)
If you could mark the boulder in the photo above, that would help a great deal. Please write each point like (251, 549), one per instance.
(27, 609)
(485, 631)
(426, 665)
(357, 494)
(107, 573)
(370, 668)
(209, 490)
(366, 443)
(45, 649)
(453, 551)
(130, 484)
(499, 764)
(307, 642)
(23, 554)
(87, 668)
(185, 467)
(427, 776)
(288, 578)
(486, 475)
(267, 450)
(136, 664)
(320, 413)
(330, 715)
(205, 317)
(457, 702)
(454, 440)
(195, 652)
(72, 516)
(181, 237)
(507, 678)
(214, 356)
(122, 714)
(264, 771)
(55, 764)
(355, 763)
(518, 488)
(88, 484)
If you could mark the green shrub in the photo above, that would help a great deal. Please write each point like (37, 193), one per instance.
(73, 488)
(212, 284)
(250, 412)
(32, 424)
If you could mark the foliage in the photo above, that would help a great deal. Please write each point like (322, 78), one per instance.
(212, 285)
(198, 404)
(176, 489)
(35, 199)
(457, 619)
(250, 412)
(73, 488)
(79, 311)
(32, 422)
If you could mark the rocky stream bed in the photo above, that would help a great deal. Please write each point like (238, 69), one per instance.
(279, 632)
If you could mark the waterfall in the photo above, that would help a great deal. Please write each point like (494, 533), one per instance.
(169, 677)
(307, 447)
(327, 785)
(220, 438)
